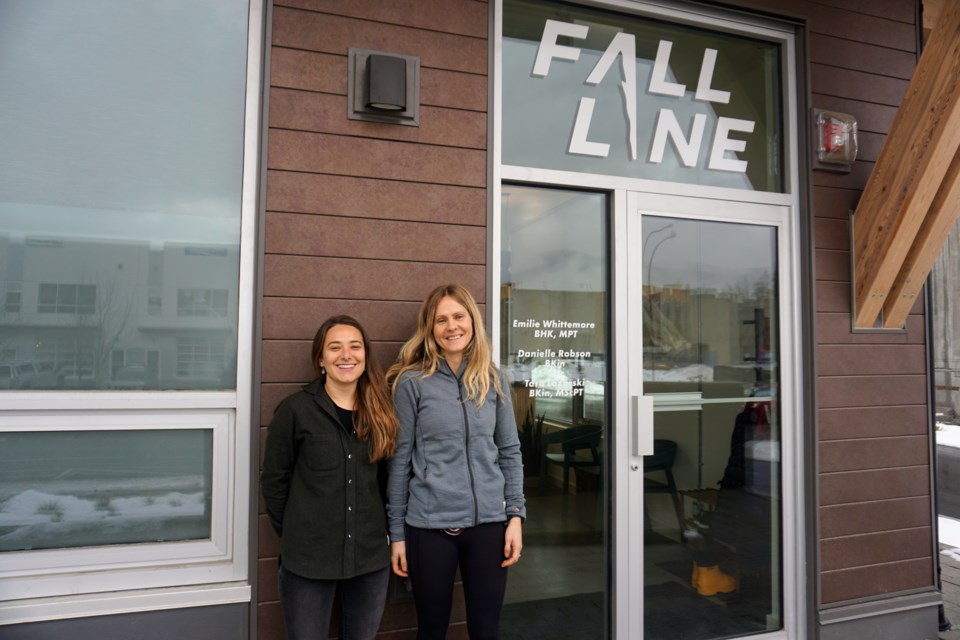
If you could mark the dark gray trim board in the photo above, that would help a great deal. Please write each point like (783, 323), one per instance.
(222, 622)
(901, 617)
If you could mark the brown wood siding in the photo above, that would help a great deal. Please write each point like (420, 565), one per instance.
(365, 218)
(872, 415)
(871, 388)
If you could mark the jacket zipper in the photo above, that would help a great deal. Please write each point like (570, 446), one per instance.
(466, 435)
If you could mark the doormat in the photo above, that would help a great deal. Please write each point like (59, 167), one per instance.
(674, 611)
(576, 617)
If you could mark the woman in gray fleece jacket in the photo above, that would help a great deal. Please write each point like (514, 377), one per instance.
(455, 490)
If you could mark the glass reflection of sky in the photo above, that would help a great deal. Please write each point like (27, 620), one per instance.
(121, 168)
(551, 239)
(722, 248)
(124, 119)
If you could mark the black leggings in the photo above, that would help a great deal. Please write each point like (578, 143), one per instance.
(432, 559)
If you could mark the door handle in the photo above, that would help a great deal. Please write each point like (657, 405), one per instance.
(641, 421)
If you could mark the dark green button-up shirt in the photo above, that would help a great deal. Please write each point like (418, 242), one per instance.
(321, 491)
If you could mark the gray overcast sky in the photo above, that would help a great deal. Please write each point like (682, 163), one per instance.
(115, 107)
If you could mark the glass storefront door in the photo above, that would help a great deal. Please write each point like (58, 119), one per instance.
(705, 318)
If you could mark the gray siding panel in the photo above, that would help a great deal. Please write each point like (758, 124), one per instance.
(226, 622)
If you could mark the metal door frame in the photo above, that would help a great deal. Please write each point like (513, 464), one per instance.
(632, 432)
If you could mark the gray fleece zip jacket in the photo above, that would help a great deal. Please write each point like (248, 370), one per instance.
(456, 464)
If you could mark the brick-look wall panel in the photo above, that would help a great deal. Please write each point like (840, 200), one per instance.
(831, 233)
(871, 422)
(269, 621)
(306, 276)
(327, 73)
(884, 24)
(346, 237)
(879, 484)
(873, 455)
(294, 318)
(364, 218)
(325, 33)
(883, 61)
(368, 198)
(831, 264)
(323, 113)
(875, 579)
(869, 87)
(870, 517)
(466, 18)
(867, 390)
(385, 159)
(848, 552)
(848, 360)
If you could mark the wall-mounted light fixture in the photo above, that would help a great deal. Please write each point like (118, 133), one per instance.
(383, 87)
(836, 140)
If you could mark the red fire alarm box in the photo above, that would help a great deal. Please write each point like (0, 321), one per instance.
(836, 140)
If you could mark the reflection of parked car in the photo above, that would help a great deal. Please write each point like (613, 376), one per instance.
(47, 374)
(133, 377)
(72, 377)
(7, 376)
(18, 375)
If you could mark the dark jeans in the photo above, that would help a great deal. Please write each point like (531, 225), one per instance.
(433, 557)
(307, 605)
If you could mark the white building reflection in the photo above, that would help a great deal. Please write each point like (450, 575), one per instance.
(109, 313)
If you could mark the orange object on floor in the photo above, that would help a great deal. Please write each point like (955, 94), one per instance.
(709, 581)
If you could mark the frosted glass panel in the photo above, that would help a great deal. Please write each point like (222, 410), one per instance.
(61, 489)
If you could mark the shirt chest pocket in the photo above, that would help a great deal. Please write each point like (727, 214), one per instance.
(483, 419)
(321, 450)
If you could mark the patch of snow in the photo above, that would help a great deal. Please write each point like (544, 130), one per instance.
(948, 435)
(690, 373)
(40, 517)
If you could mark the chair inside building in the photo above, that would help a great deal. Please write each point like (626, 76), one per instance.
(660, 462)
(579, 449)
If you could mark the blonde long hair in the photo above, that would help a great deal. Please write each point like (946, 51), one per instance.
(375, 420)
(422, 354)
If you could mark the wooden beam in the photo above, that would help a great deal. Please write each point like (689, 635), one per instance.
(922, 143)
(933, 233)
(931, 12)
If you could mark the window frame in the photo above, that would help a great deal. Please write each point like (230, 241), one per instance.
(90, 581)
(18, 566)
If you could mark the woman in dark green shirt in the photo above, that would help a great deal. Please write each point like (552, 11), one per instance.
(322, 492)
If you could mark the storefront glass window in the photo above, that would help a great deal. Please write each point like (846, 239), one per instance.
(65, 489)
(554, 347)
(120, 192)
(590, 91)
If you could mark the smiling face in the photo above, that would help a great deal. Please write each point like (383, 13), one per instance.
(343, 355)
(452, 329)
